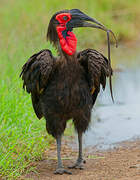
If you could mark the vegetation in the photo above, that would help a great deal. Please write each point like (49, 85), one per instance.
(23, 28)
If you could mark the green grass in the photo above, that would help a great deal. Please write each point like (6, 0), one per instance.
(22, 136)
(23, 26)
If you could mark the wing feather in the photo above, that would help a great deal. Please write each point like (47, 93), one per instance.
(97, 69)
(35, 75)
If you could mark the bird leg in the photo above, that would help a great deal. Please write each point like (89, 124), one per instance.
(80, 161)
(60, 169)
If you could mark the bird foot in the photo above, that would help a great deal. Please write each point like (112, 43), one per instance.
(61, 171)
(78, 165)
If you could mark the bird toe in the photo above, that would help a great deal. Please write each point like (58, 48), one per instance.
(62, 171)
(77, 165)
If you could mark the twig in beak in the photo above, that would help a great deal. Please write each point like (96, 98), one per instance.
(109, 59)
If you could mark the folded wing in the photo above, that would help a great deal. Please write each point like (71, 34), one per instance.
(35, 75)
(96, 68)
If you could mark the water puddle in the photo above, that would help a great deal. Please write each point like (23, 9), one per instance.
(114, 123)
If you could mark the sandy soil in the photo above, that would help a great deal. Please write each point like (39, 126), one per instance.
(121, 163)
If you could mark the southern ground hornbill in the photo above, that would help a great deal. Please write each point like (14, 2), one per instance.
(66, 87)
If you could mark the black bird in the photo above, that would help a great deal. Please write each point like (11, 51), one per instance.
(66, 87)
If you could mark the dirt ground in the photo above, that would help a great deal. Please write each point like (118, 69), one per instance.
(121, 163)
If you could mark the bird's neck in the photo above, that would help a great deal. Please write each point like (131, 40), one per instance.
(67, 40)
(67, 59)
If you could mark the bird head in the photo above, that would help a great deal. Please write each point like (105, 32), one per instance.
(61, 26)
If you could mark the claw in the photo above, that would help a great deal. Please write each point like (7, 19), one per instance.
(78, 165)
(62, 171)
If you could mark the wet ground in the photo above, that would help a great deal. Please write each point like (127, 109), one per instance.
(114, 123)
(122, 163)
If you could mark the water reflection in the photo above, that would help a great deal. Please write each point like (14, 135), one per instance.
(114, 123)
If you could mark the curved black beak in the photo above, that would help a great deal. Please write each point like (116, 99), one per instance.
(79, 19)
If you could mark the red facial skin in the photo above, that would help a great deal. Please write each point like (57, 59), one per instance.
(69, 43)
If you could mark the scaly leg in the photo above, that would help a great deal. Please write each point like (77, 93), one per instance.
(80, 161)
(60, 169)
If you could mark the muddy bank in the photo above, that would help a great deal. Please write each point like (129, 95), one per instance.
(122, 163)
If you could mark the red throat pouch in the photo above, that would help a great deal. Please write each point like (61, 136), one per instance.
(68, 43)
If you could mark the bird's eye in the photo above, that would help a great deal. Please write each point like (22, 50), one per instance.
(65, 18)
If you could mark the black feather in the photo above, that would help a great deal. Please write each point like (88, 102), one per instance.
(35, 74)
(96, 68)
